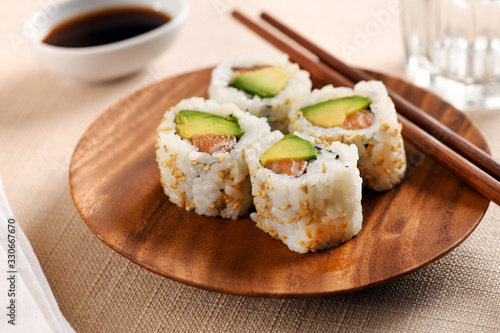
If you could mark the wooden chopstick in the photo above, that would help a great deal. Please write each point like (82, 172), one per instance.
(404, 107)
(445, 156)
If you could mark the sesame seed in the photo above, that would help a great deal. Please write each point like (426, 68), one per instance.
(289, 220)
(324, 168)
(222, 158)
(195, 162)
(206, 167)
(297, 218)
(178, 173)
(345, 224)
(182, 178)
(385, 125)
(284, 207)
(369, 177)
(309, 220)
(252, 173)
(157, 145)
(236, 205)
(300, 241)
(369, 149)
(308, 233)
(164, 164)
(317, 140)
(388, 171)
(220, 174)
(243, 154)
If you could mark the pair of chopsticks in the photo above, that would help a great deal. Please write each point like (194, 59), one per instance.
(469, 163)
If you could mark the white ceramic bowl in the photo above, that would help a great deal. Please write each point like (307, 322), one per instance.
(102, 62)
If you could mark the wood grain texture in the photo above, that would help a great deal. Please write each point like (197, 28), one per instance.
(115, 185)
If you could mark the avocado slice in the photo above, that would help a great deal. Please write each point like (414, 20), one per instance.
(189, 123)
(264, 82)
(290, 146)
(333, 112)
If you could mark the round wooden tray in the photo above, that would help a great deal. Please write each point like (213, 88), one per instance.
(115, 185)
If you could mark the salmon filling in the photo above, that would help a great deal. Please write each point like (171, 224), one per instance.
(358, 120)
(288, 166)
(211, 143)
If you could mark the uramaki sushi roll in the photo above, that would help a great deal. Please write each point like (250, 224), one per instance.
(307, 195)
(364, 116)
(199, 153)
(264, 85)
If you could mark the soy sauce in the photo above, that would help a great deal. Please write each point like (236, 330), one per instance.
(105, 26)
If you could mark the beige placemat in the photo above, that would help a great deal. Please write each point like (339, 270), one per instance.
(43, 117)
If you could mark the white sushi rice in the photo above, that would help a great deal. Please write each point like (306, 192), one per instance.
(210, 184)
(276, 108)
(382, 159)
(319, 209)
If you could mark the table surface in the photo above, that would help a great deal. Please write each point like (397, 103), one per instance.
(42, 117)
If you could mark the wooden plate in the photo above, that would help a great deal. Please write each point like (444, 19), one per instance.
(115, 185)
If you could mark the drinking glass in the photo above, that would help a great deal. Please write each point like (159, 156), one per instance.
(453, 48)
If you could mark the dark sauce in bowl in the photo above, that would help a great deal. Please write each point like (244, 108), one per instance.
(105, 27)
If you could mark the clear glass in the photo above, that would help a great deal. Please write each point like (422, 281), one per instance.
(453, 49)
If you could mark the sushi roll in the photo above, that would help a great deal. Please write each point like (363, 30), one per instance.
(307, 195)
(199, 153)
(265, 86)
(364, 116)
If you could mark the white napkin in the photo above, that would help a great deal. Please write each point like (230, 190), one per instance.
(28, 301)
